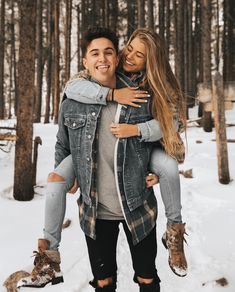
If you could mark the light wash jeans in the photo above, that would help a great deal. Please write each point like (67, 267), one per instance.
(55, 204)
(164, 166)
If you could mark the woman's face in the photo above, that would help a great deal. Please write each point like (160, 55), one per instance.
(134, 59)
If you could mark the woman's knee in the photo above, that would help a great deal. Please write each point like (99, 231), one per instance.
(162, 163)
(54, 177)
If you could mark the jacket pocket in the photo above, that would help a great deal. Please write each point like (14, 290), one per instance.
(75, 122)
(75, 126)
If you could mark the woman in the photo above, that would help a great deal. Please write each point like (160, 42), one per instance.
(145, 62)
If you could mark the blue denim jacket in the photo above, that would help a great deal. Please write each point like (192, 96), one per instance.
(77, 127)
(76, 135)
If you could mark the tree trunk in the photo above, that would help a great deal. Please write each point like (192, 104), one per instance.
(79, 57)
(141, 13)
(161, 17)
(220, 127)
(168, 26)
(206, 55)
(191, 91)
(56, 61)
(23, 187)
(131, 17)
(2, 53)
(229, 41)
(39, 48)
(114, 15)
(180, 43)
(68, 38)
(50, 33)
(150, 15)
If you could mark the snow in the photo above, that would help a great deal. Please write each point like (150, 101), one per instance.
(208, 210)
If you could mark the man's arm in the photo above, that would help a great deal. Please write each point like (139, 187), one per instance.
(62, 148)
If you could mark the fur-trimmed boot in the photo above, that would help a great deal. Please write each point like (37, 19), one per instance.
(46, 268)
(173, 240)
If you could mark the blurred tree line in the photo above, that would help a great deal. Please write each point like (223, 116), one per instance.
(40, 50)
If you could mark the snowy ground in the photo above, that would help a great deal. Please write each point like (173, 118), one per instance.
(208, 209)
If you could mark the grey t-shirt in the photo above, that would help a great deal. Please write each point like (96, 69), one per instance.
(109, 207)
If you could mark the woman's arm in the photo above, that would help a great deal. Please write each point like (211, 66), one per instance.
(85, 91)
(149, 131)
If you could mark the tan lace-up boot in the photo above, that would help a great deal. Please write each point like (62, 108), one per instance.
(46, 268)
(173, 240)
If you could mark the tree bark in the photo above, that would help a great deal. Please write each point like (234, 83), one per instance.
(220, 127)
(39, 49)
(150, 15)
(50, 33)
(2, 53)
(23, 187)
(56, 68)
(161, 17)
(206, 55)
(68, 38)
(141, 13)
(229, 41)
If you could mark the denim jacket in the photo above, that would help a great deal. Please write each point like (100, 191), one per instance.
(76, 135)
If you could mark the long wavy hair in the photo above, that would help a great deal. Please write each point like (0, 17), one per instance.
(168, 101)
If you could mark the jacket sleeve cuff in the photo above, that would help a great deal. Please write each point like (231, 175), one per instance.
(150, 131)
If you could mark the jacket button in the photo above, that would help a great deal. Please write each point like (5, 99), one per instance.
(93, 114)
(87, 181)
(88, 159)
(74, 124)
(89, 136)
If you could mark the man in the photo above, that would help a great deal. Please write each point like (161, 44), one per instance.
(111, 172)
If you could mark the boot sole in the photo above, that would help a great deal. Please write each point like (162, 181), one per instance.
(53, 281)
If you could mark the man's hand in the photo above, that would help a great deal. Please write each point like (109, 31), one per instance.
(74, 188)
(151, 179)
(130, 96)
(124, 130)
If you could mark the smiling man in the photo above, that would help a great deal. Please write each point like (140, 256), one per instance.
(111, 172)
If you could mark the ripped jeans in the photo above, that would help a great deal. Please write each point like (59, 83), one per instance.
(164, 166)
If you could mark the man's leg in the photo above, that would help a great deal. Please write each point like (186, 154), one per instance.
(143, 259)
(102, 255)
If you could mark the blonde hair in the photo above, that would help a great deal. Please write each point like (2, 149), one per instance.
(168, 101)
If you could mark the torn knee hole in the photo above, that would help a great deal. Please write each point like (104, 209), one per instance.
(144, 280)
(54, 177)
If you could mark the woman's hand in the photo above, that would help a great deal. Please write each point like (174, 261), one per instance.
(151, 179)
(130, 96)
(124, 130)
(74, 188)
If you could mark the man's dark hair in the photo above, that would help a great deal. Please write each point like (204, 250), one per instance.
(96, 33)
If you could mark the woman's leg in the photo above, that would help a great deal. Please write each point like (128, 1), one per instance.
(47, 260)
(59, 183)
(166, 168)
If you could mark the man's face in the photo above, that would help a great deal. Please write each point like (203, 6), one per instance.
(101, 60)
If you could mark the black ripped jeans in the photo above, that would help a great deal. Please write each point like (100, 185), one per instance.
(102, 252)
